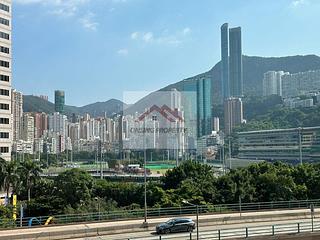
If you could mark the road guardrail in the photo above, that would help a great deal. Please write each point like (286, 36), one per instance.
(160, 212)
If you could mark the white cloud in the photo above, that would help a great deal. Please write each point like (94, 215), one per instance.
(88, 22)
(147, 37)
(134, 35)
(298, 3)
(164, 38)
(54, 2)
(27, 1)
(186, 31)
(123, 52)
(143, 36)
(66, 9)
(64, 12)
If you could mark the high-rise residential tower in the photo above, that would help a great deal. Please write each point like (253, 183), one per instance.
(28, 128)
(59, 100)
(272, 83)
(233, 114)
(225, 87)
(17, 114)
(40, 124)
(5, 80)
(235, 62)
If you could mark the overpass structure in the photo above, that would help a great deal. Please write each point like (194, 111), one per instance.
(213, 226)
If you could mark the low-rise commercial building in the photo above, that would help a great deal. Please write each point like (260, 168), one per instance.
(280, 144)
(297, 102)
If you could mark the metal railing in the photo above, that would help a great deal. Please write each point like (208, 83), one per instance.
(244, 232)
(161, 212)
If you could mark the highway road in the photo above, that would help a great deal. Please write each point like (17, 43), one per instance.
(227, 231)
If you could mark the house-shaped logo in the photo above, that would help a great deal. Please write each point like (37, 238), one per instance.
(172, 115)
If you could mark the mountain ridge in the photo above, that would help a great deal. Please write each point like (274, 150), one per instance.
(253, 69)
(98, 109)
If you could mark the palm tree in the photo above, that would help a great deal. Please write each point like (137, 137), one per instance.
(11, 177)
(3, 164)
(30, 172)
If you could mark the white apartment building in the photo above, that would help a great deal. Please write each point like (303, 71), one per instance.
(58, 123)
(5, 80)
(300, 83)
(272, 83)
(216, 124)
(28, 127)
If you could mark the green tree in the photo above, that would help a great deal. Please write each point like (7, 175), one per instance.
(74, 187)
(186, 170)
(46, 201)
(122, 192)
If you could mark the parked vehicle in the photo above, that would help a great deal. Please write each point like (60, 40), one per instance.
(176, 225)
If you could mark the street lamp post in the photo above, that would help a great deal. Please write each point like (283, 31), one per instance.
(197, 216)
(230, 152)
(312, 215)
(223, 157)
(197, 222)
(98, 202)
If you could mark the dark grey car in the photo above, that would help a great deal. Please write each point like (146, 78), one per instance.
(176, 225)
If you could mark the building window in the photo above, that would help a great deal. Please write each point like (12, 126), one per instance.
(4, 7)
(4, 78)
(4, 106)
(4, 92)
(4, 135)
(4, 35)
(4, 120)
(4, 50)
(4, 21)
(4, 149)
(4, 64)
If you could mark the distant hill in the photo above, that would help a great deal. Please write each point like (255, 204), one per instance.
(98, 109)
(253, 70)
(255, 67)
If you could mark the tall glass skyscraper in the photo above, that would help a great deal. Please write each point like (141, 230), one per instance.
(199, 104)
(225, 88)
(204, 100)
(59, 100)
(235, 64)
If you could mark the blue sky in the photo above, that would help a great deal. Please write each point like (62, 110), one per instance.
(97, 49)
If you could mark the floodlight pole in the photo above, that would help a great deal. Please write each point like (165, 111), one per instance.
(300, 145)
(145, 223)
(145, 187)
